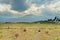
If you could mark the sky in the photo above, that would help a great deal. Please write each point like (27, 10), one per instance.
(28, 10)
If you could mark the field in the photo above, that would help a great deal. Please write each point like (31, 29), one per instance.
(34, 31)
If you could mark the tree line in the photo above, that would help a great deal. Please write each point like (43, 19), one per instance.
(56, 19)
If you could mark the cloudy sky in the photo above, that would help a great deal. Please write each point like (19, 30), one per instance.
(28, 10)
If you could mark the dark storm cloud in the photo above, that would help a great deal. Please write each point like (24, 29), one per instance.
(6, 1)
(19, 5)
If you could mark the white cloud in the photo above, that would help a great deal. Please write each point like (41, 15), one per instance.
(32, 10)
(35, 10)
(7, 8)
(4, 7)
(54, 6)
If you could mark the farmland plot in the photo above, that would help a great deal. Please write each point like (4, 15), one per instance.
(29, 31)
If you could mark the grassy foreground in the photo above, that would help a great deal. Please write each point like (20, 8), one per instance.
(29, 31)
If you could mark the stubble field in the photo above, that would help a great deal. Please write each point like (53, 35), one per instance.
(37, 31)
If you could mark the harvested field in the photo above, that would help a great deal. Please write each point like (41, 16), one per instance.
(35, 31)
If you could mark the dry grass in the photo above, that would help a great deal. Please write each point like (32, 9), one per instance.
(32, 31)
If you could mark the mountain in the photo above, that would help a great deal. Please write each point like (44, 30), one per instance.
(26, 18)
